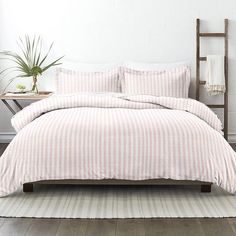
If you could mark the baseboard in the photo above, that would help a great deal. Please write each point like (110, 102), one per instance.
(232, 138)
(8, 136)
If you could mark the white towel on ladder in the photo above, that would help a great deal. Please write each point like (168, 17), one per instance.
(215, 75)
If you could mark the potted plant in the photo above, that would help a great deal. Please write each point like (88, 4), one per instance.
(30, 62)
(21, 88)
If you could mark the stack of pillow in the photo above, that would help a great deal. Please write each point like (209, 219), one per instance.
(170, 80)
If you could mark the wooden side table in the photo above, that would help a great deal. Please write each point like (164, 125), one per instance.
(15, 98)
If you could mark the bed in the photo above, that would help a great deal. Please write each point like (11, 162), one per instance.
(116, 138)
(131, 128)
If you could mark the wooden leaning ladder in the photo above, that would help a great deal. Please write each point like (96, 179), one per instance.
(198, 61)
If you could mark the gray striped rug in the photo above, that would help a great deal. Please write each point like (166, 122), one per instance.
(118, 202)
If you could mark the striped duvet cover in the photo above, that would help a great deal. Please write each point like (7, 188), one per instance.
(117, 136)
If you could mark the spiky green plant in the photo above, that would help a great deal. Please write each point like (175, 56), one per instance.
(29, 62)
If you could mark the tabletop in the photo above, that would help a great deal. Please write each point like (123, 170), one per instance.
(39, 96)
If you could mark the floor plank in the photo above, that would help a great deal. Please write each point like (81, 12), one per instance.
(232, 223)
(156, 227)
(216, 227)
(43, 227)
(173, 227)
(72, 227)
(233, 145)
(3, 146)
(1, 222)
(130, 227)
(189, 227)
(101, 228)
(15, 226)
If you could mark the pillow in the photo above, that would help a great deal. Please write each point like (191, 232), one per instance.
(155, 66)
(142, 66)
(168, 83)
(72, 81)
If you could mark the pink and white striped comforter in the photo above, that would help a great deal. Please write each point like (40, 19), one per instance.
(117, 136)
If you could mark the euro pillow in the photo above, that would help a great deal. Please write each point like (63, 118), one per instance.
(167, 83)
(73, 81)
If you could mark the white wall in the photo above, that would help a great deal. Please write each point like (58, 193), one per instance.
(117, 31)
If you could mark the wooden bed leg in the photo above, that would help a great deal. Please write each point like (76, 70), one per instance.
(206, 188)
(28, 188)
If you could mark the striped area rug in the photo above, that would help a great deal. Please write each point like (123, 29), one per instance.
(118, 202)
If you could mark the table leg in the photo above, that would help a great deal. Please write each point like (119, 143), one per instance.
(9, 107)
(18, 104)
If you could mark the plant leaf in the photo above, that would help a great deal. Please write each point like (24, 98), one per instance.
(46, 54)
(54, 63)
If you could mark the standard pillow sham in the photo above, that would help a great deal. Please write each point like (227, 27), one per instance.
(73, 81)
(167, 83)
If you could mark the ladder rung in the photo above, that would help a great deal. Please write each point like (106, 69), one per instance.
(212, 34)
(202, 82)
(216, 106)
(202, 58)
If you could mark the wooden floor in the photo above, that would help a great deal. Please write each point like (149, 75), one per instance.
(136, 227)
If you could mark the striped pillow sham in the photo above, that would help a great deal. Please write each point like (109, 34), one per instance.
(72, 81)
(167, 83)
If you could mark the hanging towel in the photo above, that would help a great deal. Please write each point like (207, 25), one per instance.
(215, 76)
